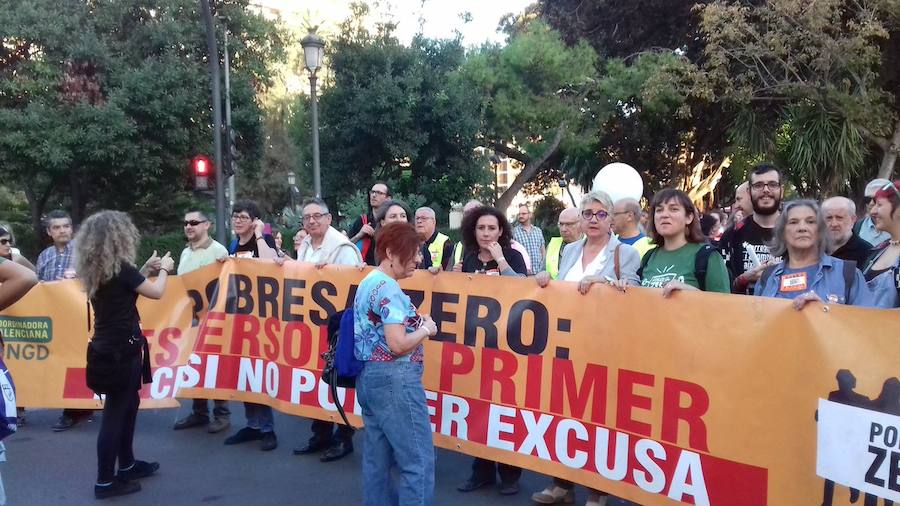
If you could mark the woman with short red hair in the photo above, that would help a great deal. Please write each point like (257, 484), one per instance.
(883, 269)
(388, 335)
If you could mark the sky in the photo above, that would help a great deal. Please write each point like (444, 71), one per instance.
(437, 18)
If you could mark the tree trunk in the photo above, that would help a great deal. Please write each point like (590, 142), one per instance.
(36, 205)
(531, 169)
(79, 205)
(889, 159)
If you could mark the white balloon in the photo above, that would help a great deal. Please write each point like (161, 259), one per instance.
(619, 181)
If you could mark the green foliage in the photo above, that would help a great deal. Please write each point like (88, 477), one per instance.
(546, 213)
(358, 204)
(94, 119)
(172, 242)
(391, 112)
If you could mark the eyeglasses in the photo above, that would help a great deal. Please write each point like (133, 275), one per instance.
(423, 218)
(601, 214)
(5, 241)
(194, 223)
(240, 217)
(771, 185)
(314, 217)
(570, 224)
(377, 192)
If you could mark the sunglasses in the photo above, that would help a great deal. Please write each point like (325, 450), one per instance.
(193, 223)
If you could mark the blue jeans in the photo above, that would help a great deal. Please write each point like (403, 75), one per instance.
(398, 432)
(259, 416)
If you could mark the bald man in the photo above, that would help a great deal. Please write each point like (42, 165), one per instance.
(626, 220)
(742, 200)
(437, 248)
(843, 243)
(569, 232)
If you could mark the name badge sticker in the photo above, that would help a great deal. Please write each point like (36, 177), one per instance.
(793, 282)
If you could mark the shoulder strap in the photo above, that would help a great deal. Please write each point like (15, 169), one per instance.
(646, 260)
(701, 263)
(616, 263)
(232, 248)
(365, 218)
(849, 278)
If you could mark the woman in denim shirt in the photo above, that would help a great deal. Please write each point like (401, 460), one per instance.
(807, 274)
(388, 335)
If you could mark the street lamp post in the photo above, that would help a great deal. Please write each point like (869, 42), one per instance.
(313, 52)
(292, 184)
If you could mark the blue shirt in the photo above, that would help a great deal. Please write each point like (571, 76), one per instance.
(827, 281)
(805, 274)
(380, 301)
(52, 263)
(631, 240)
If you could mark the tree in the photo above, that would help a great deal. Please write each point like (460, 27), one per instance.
(814, 82)
(651, 113)
(104, 104)
(534, 105)
(394, 113)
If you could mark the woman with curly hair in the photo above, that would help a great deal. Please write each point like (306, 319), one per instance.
(105, 252)
(486, 236)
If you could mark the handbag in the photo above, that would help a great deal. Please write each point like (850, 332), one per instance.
(110, 367)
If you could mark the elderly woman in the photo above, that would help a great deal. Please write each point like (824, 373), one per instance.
(807, 274)
(388, 337)
(684, 260)
(105, 252)
(486, 236)
(883, 269)
(598, 257)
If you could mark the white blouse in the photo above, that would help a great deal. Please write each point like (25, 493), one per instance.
(576, 273)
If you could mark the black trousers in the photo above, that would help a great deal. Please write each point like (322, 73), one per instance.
(117, 429)
(324, 431)
(483, 470)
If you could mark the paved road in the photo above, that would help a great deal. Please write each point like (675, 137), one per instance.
(47, 468)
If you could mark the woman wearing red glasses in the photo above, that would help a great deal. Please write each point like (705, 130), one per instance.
(883, 270)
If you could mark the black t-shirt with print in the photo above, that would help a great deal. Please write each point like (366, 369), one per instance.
(471, 263)
(737, 258)
(250, 249)
(115, 305)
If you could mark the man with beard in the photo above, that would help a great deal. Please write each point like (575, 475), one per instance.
(362, 232)
(843, 243)
(746, 245)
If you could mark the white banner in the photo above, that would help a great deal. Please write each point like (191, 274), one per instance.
(859, 449)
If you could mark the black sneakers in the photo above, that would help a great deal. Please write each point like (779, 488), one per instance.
(140, 469)
(116, 488)
(244, 435)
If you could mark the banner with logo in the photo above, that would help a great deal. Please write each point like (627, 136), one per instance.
(699, 399)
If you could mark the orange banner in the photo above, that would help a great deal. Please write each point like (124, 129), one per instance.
(700, 399)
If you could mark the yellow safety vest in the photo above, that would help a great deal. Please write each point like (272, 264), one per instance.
(553, 249)
(436, 248)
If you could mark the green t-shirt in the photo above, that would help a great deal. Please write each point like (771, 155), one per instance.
(678, 265)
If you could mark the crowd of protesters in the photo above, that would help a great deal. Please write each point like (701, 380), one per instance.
(801, 250)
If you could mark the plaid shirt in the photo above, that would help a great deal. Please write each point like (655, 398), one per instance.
(52, 263)
(533, 241)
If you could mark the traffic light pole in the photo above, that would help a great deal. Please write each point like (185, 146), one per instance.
(229, 149)
(213, 52)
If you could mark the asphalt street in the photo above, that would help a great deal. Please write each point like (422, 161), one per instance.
(45, 468)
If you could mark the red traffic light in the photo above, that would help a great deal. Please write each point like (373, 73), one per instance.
(202, 169)
(201, 166)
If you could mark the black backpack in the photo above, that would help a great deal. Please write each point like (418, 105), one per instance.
(701, 263)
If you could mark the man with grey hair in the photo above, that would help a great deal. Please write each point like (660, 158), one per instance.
(626, 218)
(865, 228)
(437, 250)
(840, 213)
(569, 231)
(324, 245)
